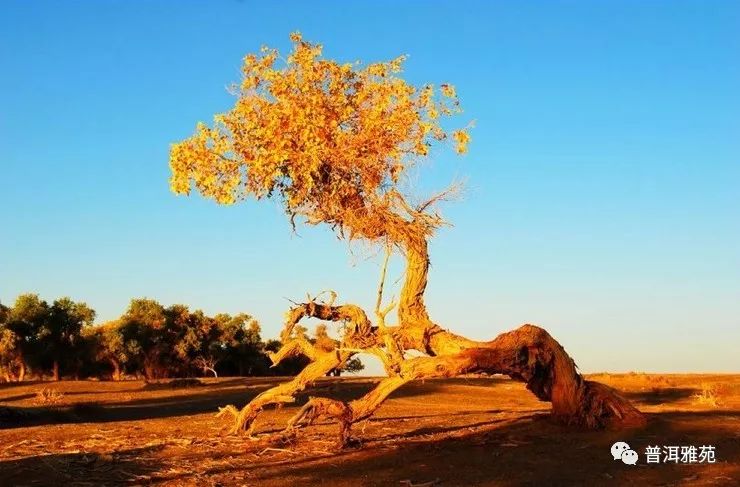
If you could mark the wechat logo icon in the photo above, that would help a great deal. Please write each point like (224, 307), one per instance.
(622, 451)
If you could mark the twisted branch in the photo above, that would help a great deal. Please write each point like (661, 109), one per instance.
(321, 361)
(528, 354)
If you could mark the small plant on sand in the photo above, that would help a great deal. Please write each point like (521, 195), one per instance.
(49, 397)
(708, 396)
(173, 384)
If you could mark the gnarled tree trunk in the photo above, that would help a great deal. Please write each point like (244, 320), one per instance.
(528, 354)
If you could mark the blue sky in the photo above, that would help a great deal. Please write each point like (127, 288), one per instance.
(603, 196)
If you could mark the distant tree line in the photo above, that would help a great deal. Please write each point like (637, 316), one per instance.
(149, 340)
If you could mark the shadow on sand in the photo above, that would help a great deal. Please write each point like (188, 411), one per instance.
(207, 399)
(662, 396)
(530, 450)
(122, 468)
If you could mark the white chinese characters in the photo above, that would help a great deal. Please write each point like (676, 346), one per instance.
(680, 454)
(684, 454)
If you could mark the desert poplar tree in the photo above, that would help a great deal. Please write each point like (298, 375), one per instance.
(334, 144)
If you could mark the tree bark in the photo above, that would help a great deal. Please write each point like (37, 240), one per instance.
(21, 370)
(418, 330)
(283, 393)
(528, 354)
(116, 370)
(55, 370)
(149, 373)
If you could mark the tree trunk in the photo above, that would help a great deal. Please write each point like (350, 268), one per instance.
(148, 372)
(21, 370)
(55, 370)
(528, 354)
(116, 370)
(411, 307)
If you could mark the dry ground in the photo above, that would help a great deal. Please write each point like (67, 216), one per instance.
(467, 431)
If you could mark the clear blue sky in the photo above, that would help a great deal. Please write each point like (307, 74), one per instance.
(603, 200)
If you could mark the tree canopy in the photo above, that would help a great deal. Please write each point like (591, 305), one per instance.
(333, 142)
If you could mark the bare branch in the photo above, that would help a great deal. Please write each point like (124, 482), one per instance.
(383, 270)
(453, 191)
(293, 347)
(350, 313)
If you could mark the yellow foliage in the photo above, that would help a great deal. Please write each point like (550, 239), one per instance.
(331, 141)
(462, 137)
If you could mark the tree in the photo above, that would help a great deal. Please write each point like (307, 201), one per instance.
(142, 328)
(196, 339)
(184, 335)
(290, 365)
(239, 346)
(323, 342)
(11, 358)
(108, 345)
(148, 339)
(25, 320)
(168, 342)
(334, 144)
(206, 364)
(8, 346)
(59, 336)
(353, 365)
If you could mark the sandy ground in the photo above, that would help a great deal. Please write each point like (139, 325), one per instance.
(466, 431)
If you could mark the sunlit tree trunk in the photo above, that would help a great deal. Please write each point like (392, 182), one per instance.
(55, 370)
(417, 330)
(148, 372)
(21, 370)
(116, 369)
(528, 354)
